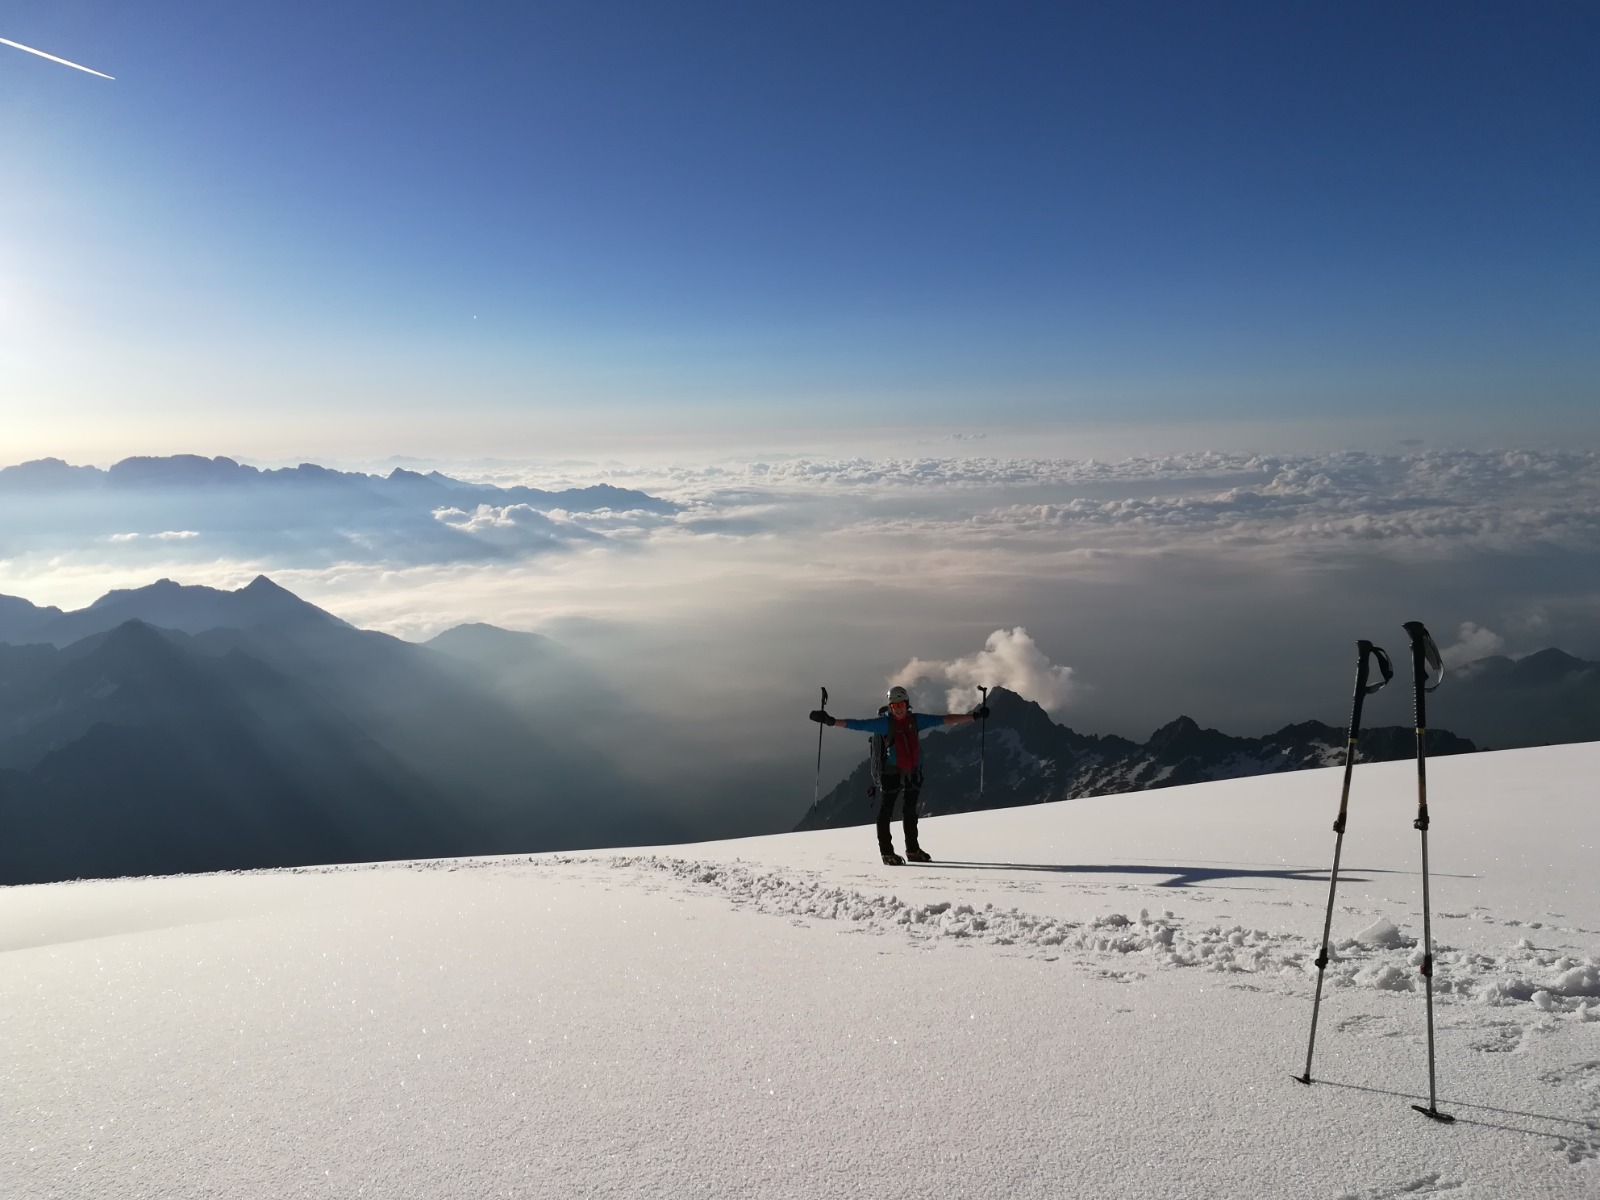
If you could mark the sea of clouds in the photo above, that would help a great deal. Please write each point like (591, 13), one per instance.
(1230, 587)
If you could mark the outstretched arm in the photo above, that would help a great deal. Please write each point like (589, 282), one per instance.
(976, 714)
(859, 724)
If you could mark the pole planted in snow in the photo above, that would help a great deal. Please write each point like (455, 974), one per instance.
(1425, 657)
(1365, 652)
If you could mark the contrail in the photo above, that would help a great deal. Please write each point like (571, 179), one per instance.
(53, 58)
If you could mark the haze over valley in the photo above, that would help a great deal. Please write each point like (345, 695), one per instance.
(652, 681)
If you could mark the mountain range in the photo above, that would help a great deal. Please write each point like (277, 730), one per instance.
(1546, 698)
(174, 728)
(161, 513)
(1023, 757)
(188, 471)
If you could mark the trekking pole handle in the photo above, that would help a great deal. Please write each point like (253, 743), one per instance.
(1424, 657)
(1385, 667)
(816, 790)
(1424, 654)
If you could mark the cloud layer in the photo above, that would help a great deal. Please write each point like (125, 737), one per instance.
(1229, 587)
(1436, 504)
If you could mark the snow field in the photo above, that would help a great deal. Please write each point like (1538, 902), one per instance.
(1103, 998)
(1379, 957)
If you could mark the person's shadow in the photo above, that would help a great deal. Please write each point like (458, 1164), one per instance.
(1184, 875)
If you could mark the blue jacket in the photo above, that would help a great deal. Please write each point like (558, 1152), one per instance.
(880, 725)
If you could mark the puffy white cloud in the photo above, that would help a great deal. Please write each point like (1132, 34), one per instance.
(488, 518)
(166, 535)
(1472, 642)
(1009, 659)
(518, 528)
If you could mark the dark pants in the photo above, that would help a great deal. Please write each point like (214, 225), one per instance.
(892, 784)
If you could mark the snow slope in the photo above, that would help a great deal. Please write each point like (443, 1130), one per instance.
(1101, 998)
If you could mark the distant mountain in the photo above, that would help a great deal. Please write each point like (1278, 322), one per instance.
(48, 474)
(1030, 759)
(536, 674)
(186, 608)
(495, 648)
(1543, 699)
(192, 729)
(132, 753)
(18, 618)
(189, 472)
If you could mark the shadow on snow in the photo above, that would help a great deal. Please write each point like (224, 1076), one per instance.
(1187, 876)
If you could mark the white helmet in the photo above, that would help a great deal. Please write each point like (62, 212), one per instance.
(897, 695)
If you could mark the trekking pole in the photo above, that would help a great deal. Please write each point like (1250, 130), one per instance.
(1425, 657)
(816, 791)
(1364, 651)
(983, 730)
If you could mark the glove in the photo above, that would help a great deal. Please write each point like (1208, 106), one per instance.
(980, 713)
(822, 718)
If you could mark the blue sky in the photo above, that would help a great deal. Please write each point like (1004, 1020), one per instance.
(418, 227)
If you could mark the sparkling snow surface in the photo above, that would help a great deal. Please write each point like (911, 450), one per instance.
(1100, 998)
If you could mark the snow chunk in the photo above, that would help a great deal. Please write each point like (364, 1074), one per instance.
(1383, 933)
(1386, 977)
(1581, 980)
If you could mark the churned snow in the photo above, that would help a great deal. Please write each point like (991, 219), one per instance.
(1098, 998)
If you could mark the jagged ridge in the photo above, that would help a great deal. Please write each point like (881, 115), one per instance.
(1030, 760)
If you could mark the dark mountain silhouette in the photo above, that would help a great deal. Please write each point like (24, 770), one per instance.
(48, 475)
(289, 738)
(18, 618)
(134, 754)
(1543, 699)
(1030, 759)
(186, 608)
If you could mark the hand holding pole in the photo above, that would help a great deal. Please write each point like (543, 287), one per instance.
(983, 731)
(816, 790)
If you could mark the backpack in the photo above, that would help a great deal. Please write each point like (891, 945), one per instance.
(879, 757)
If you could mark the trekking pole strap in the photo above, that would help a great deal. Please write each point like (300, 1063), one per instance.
(1385, 667)
(1424, 655)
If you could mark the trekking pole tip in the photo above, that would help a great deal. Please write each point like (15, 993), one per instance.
(1433, 1114)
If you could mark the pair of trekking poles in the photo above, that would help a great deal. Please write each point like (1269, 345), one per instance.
(1424, 659)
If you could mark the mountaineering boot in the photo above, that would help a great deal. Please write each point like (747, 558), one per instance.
(918, 855)
(892, 859)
